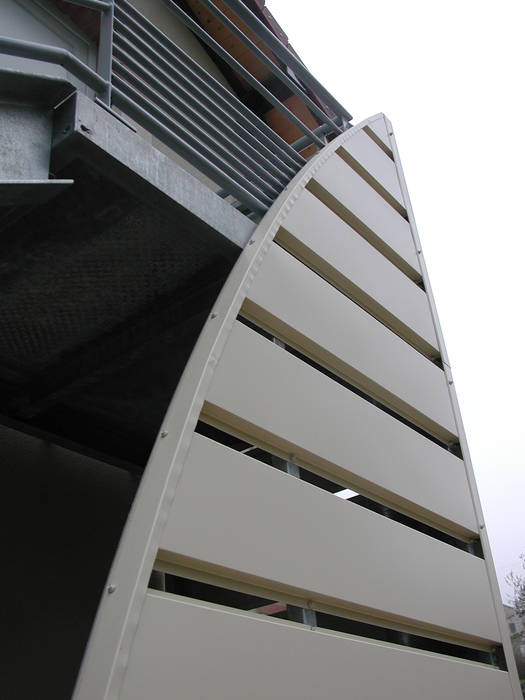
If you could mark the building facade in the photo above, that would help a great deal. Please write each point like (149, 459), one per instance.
(235, 461)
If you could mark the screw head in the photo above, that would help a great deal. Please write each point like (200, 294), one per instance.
(111, 588)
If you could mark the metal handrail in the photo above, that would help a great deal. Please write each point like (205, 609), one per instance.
(200, 105)
(239, 68)
(273, 68)
(280, 50)
(149, 77)
(207, 89)
(56, 55)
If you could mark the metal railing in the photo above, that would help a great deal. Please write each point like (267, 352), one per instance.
(145, 74)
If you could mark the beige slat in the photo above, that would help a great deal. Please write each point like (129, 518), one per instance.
(186, 650)
(297, 305)
(221, 515)
(357, 203)
(374, 166)
(320, 238)
(261, 389)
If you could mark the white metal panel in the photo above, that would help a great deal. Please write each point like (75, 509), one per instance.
(375, 161)
(265, 391)
(313, 542)
(187, 650)
(298, 305)
(359, 205)
(320, 238)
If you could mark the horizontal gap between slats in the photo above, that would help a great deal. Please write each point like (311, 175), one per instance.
(370, 180)
(453, 447)
(241, 596)
(375, 138)
(329, 274)
(326, 483)
(328, 199)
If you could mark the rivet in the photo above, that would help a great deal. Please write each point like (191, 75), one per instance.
(482, 527)
(213, 316)
(451, 381)
(419, 251)
(251, 241)
(164, 433)
(112, 588)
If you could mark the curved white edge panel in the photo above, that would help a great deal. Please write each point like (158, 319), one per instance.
(256, 658)
(252, 518)
(268, 394)
(354, 200)
(368, 159)
(298, 306)
(327, 244)
(119, 621)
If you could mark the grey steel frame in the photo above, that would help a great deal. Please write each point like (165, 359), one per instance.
(141, 71)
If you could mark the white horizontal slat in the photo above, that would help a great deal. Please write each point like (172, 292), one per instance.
(260, 388)
(364, 209)
(361, 148)
(297, 305)
(187, 650)
(233, 511)
(320, 238)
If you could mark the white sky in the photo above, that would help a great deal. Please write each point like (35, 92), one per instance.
(450, 76)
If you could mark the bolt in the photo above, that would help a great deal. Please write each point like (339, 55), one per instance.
(164, 433)
(112, 588)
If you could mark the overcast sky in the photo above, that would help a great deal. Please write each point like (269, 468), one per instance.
(450, 77)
